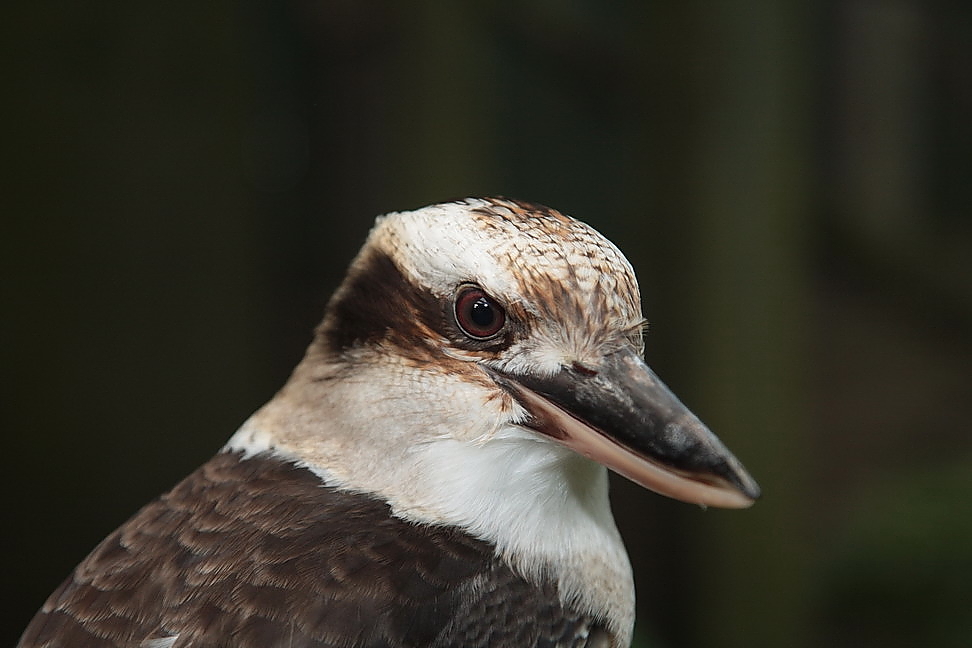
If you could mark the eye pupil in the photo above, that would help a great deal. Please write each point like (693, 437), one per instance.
(483, 313)
(477, 314)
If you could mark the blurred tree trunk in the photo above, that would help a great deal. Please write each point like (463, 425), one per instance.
(730, 149)
(750, 202)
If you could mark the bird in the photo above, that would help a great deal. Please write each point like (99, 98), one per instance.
(434, 471)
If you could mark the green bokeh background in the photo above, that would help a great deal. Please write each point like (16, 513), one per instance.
(184, 184)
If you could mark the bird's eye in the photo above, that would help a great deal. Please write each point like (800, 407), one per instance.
(477, 314)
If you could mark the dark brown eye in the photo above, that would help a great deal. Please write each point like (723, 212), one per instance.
(477, 314)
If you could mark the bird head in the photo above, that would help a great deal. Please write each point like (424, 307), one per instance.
(508, 320)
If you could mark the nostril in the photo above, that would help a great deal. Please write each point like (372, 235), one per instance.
(581, 369)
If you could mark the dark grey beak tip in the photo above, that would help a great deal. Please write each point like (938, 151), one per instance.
(736, 475)
(751, 490)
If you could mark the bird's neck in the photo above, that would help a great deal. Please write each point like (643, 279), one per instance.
(545, 508)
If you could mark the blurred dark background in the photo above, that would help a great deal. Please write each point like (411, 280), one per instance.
(184, 184)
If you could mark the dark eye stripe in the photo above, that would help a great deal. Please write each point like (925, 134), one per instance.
(478, 314)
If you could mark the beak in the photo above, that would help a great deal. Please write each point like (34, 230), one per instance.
(624, 417)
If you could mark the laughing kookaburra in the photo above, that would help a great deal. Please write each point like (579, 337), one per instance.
(432, 474)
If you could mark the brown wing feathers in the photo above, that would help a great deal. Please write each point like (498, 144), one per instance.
(257, 553)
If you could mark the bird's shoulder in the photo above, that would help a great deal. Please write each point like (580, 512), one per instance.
(259, 552)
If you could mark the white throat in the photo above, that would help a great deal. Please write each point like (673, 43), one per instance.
(545, 508)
